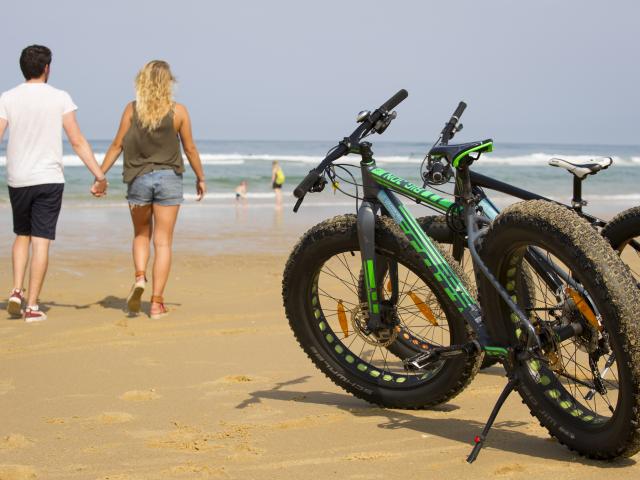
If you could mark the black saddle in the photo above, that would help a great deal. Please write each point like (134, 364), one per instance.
(581, 170)
(457, 154)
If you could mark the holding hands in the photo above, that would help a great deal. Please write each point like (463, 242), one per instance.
(99, 187)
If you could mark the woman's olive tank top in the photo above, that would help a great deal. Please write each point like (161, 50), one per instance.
(145, 151)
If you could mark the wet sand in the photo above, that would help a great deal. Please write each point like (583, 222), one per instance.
(220, 389)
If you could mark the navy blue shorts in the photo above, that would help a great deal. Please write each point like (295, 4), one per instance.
(36, 209)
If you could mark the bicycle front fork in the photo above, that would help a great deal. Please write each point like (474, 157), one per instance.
(371, 286)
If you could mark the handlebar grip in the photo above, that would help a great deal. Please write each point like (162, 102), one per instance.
(308, 182)
(394, 101)
(458, 113)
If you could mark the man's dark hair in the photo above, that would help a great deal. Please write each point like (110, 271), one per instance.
(33, 60)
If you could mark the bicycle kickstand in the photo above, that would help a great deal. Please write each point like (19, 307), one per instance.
(479, 439)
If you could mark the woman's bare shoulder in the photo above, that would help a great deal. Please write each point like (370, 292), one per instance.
(180, 109)
(128, 109)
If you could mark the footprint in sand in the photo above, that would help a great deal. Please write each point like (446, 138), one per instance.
(185, 438)
(201, 470)
(111, 418)
(17, 472)
(55, 421)
(14, 441)
(368, 456)
(509, 469)
(235, 379)
(140, 395)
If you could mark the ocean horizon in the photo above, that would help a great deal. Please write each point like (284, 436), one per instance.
(228, 162)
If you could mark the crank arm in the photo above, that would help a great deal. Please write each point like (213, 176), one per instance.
(607, 366)
(423, 360)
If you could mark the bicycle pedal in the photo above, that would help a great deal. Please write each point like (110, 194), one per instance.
(421, 361)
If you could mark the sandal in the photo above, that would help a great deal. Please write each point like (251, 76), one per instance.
(163, 310)
(134, 302)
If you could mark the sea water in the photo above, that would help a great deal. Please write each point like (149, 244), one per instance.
(227, 163)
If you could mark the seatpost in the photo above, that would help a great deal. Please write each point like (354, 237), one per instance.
(577, 202)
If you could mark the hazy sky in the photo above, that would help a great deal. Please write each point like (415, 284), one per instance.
(562, 71)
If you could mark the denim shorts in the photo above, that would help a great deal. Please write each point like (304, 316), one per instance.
(161, 187)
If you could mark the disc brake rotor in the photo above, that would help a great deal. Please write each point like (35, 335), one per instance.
(381, 338)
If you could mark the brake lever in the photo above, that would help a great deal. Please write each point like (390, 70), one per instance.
(382, 124)
(319, 185)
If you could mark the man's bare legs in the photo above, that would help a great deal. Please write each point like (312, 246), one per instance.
(38, 270)
(20, 256)
(39, 263)
(164, 218)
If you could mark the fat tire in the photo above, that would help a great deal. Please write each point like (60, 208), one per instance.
(622, 228)
(338, 234)
(609, 282)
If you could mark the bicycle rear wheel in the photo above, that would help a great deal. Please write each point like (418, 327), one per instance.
(585, 390)
(623, 231)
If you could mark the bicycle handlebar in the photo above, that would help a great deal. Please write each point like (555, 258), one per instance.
(453, 121)
(459, 111)
(343, 147)
(394, 101)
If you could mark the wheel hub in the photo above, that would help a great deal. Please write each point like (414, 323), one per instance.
(382, 337)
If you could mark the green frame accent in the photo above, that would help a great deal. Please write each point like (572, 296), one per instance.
(496, 351)
(483, 147)
(400, 185)
(370, 282)
(431, 256)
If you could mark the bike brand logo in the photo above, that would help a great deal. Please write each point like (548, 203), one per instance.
(389, 177)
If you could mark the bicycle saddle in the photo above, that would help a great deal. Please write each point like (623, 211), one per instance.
(581, 170)
(455, 153)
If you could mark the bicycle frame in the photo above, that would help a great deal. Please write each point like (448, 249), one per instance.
(379, 186)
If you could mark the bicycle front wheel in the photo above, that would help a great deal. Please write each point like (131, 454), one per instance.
(323, 304)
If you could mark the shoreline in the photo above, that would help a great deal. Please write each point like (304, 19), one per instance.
(209, 227)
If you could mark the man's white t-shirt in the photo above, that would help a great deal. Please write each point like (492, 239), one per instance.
(34, 152)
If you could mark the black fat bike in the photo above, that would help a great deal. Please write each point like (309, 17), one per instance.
(448, 228)
(354, 286)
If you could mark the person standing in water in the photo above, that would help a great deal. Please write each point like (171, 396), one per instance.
(151, 130)
(241, 192)
(277, 180)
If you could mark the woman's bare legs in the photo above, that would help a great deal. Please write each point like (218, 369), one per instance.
(164, 218)
(142, 218)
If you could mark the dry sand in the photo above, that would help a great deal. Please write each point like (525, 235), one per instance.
(220, 389)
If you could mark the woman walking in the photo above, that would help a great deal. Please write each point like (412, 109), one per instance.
(150, 133)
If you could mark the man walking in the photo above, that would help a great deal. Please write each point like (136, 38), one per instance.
(35, 114)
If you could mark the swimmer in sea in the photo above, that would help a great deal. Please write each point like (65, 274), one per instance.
(241, 191)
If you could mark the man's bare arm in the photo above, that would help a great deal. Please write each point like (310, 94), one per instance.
(3, 127)
(82, 148)
(80, 144)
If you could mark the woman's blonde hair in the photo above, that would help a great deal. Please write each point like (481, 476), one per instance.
(154, 93)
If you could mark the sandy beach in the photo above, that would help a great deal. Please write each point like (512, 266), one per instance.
(219, 388)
